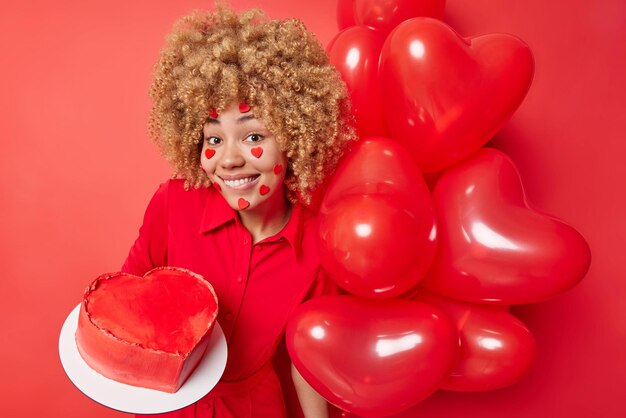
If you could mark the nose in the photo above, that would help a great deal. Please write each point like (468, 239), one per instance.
(232, 157)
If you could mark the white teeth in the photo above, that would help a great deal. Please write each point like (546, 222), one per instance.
(238, 182)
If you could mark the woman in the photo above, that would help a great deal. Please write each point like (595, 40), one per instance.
(253, 118)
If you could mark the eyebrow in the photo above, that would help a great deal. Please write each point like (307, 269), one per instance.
(239, 121)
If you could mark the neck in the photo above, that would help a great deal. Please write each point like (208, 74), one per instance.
(266, 220)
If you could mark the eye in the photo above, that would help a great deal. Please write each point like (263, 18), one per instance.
(254, 138)
(213, 140)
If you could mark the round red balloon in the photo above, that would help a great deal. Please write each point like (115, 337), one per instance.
(386, 15)
(345, 14)
(497, 350)
(372, 246)
(377, 224)
(445, 96)
(356, 52)
(492, 247)
(372, 358)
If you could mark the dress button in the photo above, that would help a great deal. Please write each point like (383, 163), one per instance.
(239, 279)
(245, 241)
(229, 317)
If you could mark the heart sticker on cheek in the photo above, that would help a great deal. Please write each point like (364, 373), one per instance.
(217, 186)
(264, 190)
(257, 151)
(242, 203)
(209, 153)
(278, 168)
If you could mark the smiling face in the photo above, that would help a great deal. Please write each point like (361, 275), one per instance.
(243, 160)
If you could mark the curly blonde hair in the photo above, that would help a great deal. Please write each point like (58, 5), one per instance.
(278, 67)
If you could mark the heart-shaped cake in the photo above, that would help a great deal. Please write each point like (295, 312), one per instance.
(149, 331)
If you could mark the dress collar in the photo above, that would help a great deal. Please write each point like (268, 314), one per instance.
(217, 212)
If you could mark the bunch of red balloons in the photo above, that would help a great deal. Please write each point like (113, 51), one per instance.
(429, 273)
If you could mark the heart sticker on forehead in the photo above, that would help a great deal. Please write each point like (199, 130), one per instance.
(257, 151)
(209, 153)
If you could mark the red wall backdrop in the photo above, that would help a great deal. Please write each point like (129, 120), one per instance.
(76, 170)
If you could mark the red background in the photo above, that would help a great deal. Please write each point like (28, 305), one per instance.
(76, 171)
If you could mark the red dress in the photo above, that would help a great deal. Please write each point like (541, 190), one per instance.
(258, 287)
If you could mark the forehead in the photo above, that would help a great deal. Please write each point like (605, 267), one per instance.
(236, 119)
(232, 116)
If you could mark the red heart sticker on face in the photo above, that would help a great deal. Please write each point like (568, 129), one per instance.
(372, 357)
(161, 321)
(278, 168)
(213, 113)
(217, 186)
(445, 96)
(263, 190)
(257, 152)
(209, 152)
(492, 247)
(242, 203)
(244, 107)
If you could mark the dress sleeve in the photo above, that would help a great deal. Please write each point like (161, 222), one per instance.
(150, 248)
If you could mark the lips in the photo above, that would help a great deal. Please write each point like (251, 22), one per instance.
(239, 182)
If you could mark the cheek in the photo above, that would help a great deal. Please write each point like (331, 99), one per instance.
(209, 153)
(268, 160)
(257, 152)
(208, 160)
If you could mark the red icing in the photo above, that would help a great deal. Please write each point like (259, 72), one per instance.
(278, 168)
(209, 152)
(242, 203)
(146, 331)
(257, 151)
(263, 190)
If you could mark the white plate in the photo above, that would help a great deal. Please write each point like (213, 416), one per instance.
(133, 399)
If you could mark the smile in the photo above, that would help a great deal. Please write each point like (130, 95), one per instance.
(240, 183)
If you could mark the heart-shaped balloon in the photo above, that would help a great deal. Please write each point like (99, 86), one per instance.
(492, 247)
(377, 226)
(384, 16)
(381, 166)
(372, 358)
(445, 96)
(355, 52)
(497, 349)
